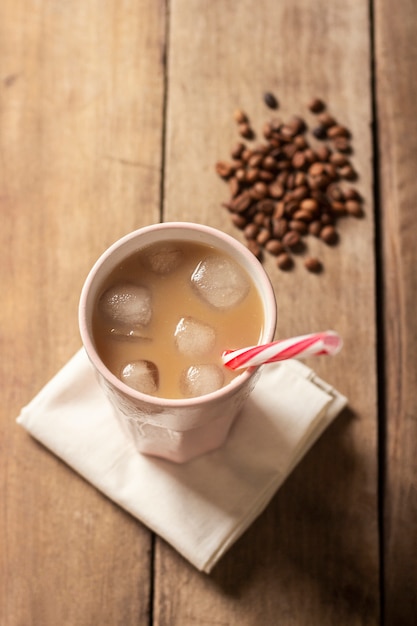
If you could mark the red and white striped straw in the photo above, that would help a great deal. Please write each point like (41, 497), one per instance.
(327, 342)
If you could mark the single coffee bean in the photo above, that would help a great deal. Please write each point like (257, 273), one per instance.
(298, 161)
(314, 228)
(251, 231)
(341, 144)
(320, 132)
(240, 116)
(335, 193)
(266, 206)
(328, 234)
(255, 248)
(347, 172)
(224, 169)
(299, 226)
(237, 150)
(263, 236)
(303, 215)
(351, 194)
(325, 119)
(276, 190)
(316, 105)
(270, 100)
(338, 208)
(239, 220)
(353, 207)
(234, 186)
(241, 202)
(279, 227)
(284, 261)
(337, 131)
(300, 193)
(297, 124)
(323, 153)
(291, 239)
(316, 169)
(312, 264)
(309, 204)
(274, 247)
(252, 175)
(245, 130)
(338, 159)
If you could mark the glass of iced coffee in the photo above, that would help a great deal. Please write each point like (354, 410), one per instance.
(156, 312)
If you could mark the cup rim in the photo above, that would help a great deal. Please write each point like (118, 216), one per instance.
(234, 385)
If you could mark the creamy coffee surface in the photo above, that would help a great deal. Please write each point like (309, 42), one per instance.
(166, 314)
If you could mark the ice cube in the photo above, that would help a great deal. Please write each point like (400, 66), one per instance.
(163, 258)
(193, 337)
(141, 375)
(198, 380)
(220, 282)
(126, 305)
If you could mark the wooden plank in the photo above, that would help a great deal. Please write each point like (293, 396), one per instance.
(312, 557)
(80, 132)
(396, 60)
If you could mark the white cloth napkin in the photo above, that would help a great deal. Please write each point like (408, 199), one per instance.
(203, 506)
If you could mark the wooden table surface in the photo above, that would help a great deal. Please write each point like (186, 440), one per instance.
(113, 114)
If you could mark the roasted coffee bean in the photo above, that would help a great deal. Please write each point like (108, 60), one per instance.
(263, 236)
(276, 190)
(299, 226)
(338, 159)
(338, 208)
(240, 116)
(342, 144)
(320, 132)
(329, 235)
(303, 215)
(266, 175)
(282, 189)
(284, 261)
(312, 264)
(351, 194)
(315, 227)
(279, 227)
(299, 160)
(255, 248)
(252, 175)
(270, 100)
(300, 193)
(297, 124)
(224, 169)
(291, 239)
(274, 247)
(245, 130)
(316, 105)
(266, 206)
(241, 202)
(347, 172)
(337, 131)
(234, 186)
(309, 204)
(239, 220)
(237, 150)
(251, 231)
(353, 207)
(326, 119)
(323, 153)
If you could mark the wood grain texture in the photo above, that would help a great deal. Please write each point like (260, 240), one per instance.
(396, 60)
(312, 557)
(81, 102)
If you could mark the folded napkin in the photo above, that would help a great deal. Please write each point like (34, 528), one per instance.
(203, 506)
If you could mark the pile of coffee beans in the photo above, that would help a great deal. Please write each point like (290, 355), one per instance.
(284, 189)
